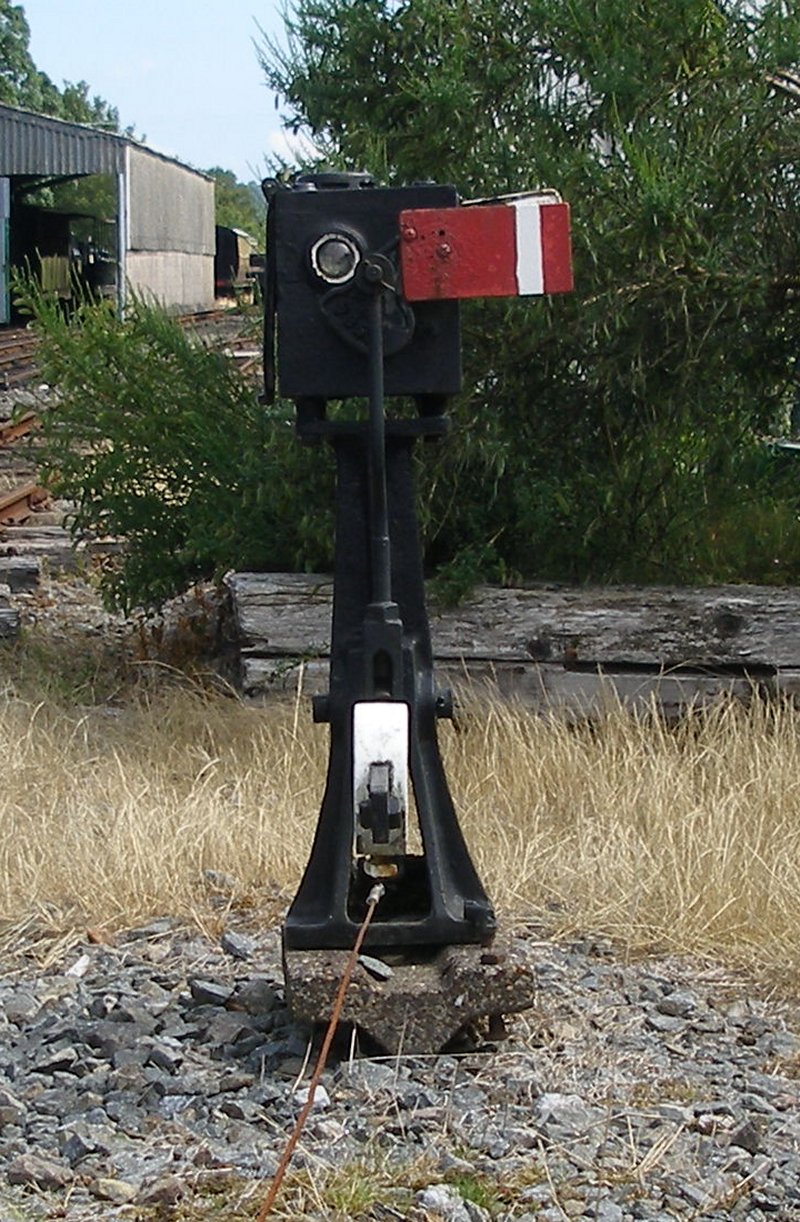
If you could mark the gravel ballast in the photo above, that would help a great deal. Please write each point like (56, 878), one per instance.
(133, 1074)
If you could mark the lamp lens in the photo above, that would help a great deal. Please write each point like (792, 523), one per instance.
(334, 258)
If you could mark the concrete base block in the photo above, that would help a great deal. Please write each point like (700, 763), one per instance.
(412, 1006)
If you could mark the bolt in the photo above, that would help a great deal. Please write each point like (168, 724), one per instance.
(409, 233)
(444, 250)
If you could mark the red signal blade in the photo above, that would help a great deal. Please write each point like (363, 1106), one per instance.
(486, 250)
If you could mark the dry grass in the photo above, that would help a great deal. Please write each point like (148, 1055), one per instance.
(685, 838)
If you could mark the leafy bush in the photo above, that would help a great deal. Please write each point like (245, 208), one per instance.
(160, 440)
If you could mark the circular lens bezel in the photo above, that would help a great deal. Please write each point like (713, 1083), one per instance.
(335, 236)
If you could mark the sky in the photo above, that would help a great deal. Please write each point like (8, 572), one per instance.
(183, 73)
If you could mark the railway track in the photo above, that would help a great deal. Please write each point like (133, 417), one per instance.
(18, 504)
(17, 357)
(13, 430)
(18, 346)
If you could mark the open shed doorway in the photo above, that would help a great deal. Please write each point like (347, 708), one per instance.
(60, 231)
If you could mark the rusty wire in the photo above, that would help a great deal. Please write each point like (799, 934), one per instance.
(372, 902)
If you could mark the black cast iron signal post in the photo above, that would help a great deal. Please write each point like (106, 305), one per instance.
(340, 324)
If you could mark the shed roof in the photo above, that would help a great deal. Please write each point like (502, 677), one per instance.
(41, 145)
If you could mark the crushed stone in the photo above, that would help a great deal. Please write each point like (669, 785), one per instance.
(168, 1054)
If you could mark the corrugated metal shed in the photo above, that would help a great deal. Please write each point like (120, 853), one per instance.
(171, 208)
(164, 213)
(31, 143)
(37, 144)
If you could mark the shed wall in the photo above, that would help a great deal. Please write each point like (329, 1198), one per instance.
(177, 280)
(5, 213)
(171, 207)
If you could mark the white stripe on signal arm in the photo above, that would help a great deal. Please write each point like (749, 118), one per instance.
(530, 269)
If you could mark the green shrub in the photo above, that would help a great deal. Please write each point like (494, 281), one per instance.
(161, 441)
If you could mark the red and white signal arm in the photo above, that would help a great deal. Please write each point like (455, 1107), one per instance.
(516, 246)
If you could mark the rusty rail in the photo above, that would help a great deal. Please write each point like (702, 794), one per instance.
(13, 430)
(17, 505)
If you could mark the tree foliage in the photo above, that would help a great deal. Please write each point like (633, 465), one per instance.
(239, 205)
(23, 84)
(615, 432)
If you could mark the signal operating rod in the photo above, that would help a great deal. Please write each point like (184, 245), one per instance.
(378, 499)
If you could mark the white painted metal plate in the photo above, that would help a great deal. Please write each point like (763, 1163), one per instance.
(380, 735)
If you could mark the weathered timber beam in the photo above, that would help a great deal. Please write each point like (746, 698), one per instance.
(744, 628)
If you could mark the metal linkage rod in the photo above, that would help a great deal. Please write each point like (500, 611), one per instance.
(378, 498)
(373, 899)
